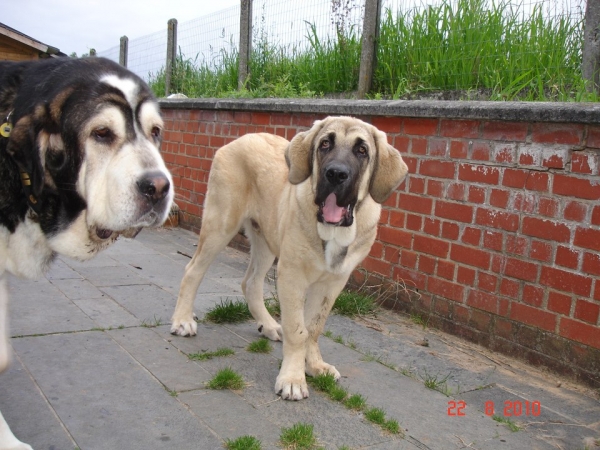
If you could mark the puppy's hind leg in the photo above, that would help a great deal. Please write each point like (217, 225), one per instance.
(261, 260)
(214, 237)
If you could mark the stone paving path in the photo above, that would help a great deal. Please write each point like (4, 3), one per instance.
(95, 368)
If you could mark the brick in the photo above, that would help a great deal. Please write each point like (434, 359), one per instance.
(480, 320)
(426, 265)
(402, 143)
(414, 203)
(411, 278)
(580, 332)
(465, 275)
(564, 281)
(470, 256)
(430, 246)
(533, 316)
(586, 311)
(555, 158)
(432, 227)
(459, 128)
(559, 303)
(450, 231)
(567, 257)
(445, 289)
(454, 211)
(576, 187)
(541, 251)
(593, 137)
(478, 174)
(435, 188)
(481, 151)
(438, 169)
(395, 236)
(445, 269)
(422, 127)
(525, 202)
(259, 118)
(397, 219)
(530, 155)
(516, 245)
(388, 124)
(505, 131)
(509, 288)
(537, 181)
(438, 147)
(414, 222)
(591, 264)
(482, 300)
(493, 240)
(548, 207)
(476, 194)
(575, 211)
(471, 236)
(497, 219)
(550, 133)
(596, 216)
(499, 198)
(408, 259)
(515, 178)
(584, 163)
(456, 191)
(487, 282)
(533, 295)
(522, 270)
(587, 238)
(459, 149)
(546, 229)
(504, 153)
(376, 250)
(416, 185)
(418, 146)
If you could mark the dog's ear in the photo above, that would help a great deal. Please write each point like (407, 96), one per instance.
(298, 154)
(24, 148)
(390, 170)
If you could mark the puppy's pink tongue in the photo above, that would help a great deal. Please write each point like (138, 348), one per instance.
(332, 213)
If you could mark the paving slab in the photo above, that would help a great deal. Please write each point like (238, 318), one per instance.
(95, 367)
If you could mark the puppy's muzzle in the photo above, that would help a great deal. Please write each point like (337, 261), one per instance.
(154, 186)
(337, 174)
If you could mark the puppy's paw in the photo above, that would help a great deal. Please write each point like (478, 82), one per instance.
(291, 388)
(321, 368)
(184, 327)
(273, 332)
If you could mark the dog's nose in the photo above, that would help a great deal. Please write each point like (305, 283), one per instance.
(154, 185)
(337, 174)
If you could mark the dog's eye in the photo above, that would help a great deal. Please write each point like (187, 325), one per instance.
(102, 134)
(325, 144)
(155, 132)
(362, 150)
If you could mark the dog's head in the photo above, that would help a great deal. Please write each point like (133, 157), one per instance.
(87, 132)
(348, 160)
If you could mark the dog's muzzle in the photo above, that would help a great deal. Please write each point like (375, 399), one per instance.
(335, 206)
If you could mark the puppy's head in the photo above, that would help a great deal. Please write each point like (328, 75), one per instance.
(88, 133)
(346, 160)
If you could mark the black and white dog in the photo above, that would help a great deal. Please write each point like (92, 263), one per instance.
(79, 166)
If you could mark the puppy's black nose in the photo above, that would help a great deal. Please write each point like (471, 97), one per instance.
(154, 185)
(337, 174)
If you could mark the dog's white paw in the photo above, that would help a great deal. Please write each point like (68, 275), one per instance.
(184, 327)
(291, 388)
(274, 332)
(322, 368)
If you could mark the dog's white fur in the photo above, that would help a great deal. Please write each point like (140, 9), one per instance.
(107, 181)
(248, 186)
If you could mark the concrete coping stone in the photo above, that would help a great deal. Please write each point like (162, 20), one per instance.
(565, 112)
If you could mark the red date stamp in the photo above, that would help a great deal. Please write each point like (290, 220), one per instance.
(512, 408)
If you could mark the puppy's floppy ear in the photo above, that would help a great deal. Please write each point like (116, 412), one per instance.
(298, 154)
(24, 149)
(389, 170)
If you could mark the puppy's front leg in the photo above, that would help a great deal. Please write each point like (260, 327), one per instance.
(291, 288)
(4, 349)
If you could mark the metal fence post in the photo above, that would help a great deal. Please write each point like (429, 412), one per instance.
(123, 51)
(590, 65)
(171, 53)
(368, 52)
(245, 41)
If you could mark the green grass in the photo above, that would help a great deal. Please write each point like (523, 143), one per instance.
(506, 421)
(229, 311)
(299, 436)
(375, 415)
(243, 443)
(354, 304)
(470, 47)
(226, 379)
(355, 402)
(204, 356)
(262, 345)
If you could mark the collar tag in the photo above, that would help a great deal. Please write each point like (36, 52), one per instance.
(5, 129)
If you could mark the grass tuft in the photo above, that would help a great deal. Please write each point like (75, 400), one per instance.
(229, 311)
(354, 304)
(509, 423)
(355, 402)
(299, 436)
(205, 356)
(262, 345)
(243, 443)
(375, 415)
(226, 379)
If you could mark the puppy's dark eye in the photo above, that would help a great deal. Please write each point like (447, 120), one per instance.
(155, 132)
(102, 134)
(325, 144)
(362, 151)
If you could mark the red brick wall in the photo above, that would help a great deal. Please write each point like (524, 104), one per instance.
(497, 225)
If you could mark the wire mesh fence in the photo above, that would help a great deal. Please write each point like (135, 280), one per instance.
(506, 47)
